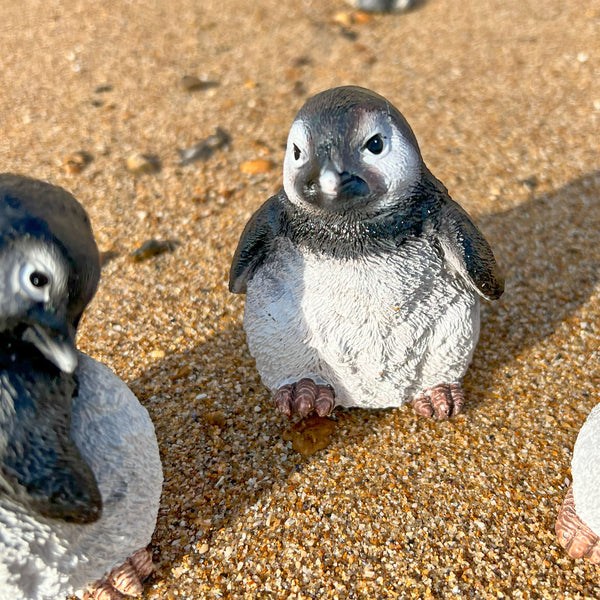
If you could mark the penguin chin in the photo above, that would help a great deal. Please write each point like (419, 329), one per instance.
(339, 204)
(352, 197)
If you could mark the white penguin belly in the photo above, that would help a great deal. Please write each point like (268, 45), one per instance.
(379, 329)
(45, 559)
(585, 468)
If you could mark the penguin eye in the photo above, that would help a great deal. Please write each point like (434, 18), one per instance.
(375, 144)
(38, 279)
(35, 283)
(296, 152)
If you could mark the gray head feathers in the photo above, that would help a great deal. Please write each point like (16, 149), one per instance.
(37, 210)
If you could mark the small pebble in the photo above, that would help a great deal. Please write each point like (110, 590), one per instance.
(138, 163)
(102, 89)
(152, 248)
(254, 167)
(184, 371)
(361, 18)
(76, 162)
(343, 18)
(191, 83)
(529, 182)
(302, 61)
(346, 19)
(310, 435)
(204, 149)
(215, 417)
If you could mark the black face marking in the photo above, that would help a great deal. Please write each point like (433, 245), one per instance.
(353, 186)
(375, 144)
(39, 279)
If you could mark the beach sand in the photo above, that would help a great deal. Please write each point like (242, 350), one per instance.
(504, 98)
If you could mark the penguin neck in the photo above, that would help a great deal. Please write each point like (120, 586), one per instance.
(349, 235)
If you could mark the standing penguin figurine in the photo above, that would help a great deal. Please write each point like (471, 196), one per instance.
(578, 523)
(362, 276)
(80, 474)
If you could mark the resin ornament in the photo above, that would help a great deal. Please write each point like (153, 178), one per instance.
(362, 276)
(80, 474)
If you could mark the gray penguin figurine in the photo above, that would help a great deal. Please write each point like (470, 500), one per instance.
(362, 276)
(80, 474)
(578, 524)
(384, 5)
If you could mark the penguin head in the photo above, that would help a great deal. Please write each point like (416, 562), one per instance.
(49, 266)
(49, 269)
(350, 152)
(33, 299)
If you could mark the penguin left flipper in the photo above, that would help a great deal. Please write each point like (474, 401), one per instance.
(40, 465)
(467, 251)
(255, 241)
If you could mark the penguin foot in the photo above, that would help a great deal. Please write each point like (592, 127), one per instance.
(441, 401)
(574, 535)
(125, 580)
(304, 397)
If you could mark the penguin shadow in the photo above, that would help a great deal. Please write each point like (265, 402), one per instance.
(221, 439)
(217, 434)
(546, 248)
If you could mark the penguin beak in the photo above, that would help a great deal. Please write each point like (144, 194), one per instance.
(49, 332)
(336, 183)
(344, 184)
(329, 182)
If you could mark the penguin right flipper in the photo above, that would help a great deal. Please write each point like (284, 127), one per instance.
(40, 465)
(468, 252)
(260, 231)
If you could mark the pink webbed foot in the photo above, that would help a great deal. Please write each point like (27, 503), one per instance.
(304, 397)
(123, 581)
(574, 535)
(441, 401)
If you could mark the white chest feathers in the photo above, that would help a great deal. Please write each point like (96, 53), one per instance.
(379, 329)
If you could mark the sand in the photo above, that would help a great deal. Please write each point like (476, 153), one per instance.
(504, 97)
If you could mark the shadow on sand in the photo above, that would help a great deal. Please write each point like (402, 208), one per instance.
(216, 428)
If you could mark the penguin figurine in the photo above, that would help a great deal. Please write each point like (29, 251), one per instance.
(383, 5)
(80, 474)
(578, 523)
(362, 276)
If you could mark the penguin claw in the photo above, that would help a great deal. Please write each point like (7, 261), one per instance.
(102, 590)
(123, 581)
(574, 535)
(283, 400)
(304, 397)
(441, 401)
